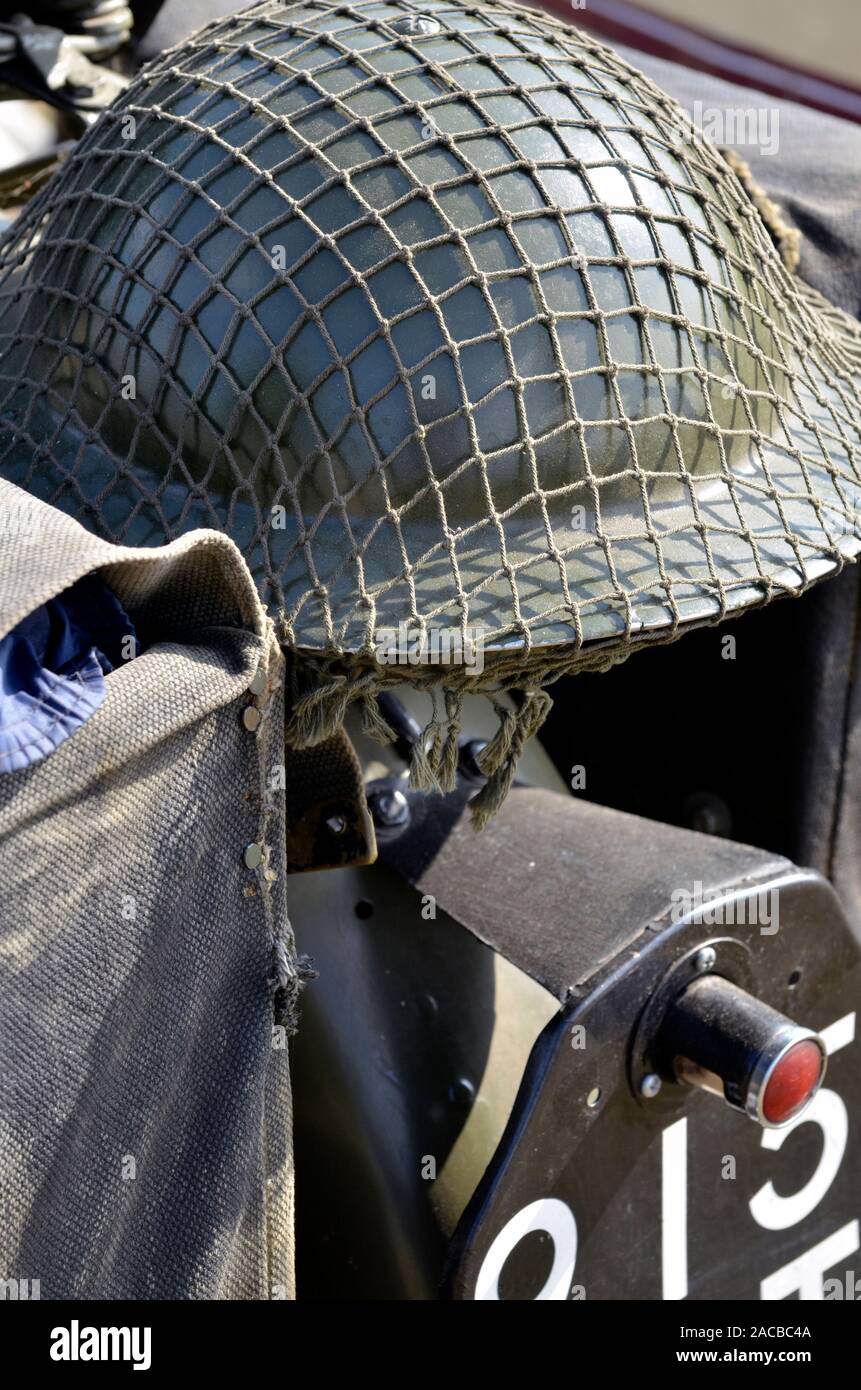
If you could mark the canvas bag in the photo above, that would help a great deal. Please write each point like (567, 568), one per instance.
(145, 1120)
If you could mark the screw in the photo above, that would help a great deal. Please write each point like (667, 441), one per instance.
(389, 808)
(705, 958)
(650, 1085)
(336, 825)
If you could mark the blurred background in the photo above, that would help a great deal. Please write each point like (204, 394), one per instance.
(820, 34)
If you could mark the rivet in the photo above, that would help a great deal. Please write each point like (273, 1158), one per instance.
(705, 959)
(258, 682)
(650, 1085)
(251, 717)
(253, 856)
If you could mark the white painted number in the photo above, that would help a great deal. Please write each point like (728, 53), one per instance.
(775, 1213)
(674, 1210)
(547, 1214)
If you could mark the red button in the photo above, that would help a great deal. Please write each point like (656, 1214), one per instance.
(793, 1082)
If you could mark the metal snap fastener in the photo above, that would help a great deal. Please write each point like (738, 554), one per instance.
(417, 24)
(253, 856)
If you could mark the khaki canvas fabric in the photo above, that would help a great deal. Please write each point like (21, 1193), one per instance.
(145, 1139)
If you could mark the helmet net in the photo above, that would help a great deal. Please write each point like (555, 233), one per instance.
(451, 320)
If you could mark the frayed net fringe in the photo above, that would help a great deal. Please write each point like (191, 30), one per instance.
(322, 690)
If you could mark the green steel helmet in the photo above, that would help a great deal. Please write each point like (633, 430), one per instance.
(447, 316)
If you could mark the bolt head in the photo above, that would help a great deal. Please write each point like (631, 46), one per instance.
(650, 1085)
(389, 807)
(705, 959)
(461, 1093)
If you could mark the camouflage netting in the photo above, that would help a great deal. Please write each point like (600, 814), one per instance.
(451, 320)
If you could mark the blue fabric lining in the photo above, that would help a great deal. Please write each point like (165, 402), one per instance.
(53, 667)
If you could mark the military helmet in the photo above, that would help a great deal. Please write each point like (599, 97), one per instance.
(450, 319)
